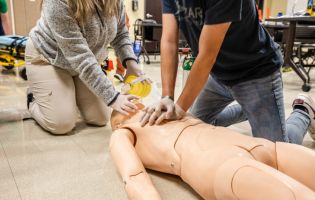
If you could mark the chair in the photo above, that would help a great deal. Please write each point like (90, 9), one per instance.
(305, 45)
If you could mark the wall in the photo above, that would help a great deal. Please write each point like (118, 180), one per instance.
(275, 6)
(133, 15)
(10, 2)
(26, 13)
(284, 6)
(300, 5)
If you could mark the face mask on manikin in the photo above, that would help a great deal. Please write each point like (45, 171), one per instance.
(146, 90)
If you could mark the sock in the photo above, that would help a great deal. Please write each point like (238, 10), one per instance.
(301, 108)
(14, 114)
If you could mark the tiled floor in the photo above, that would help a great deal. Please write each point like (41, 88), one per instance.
(35, 165)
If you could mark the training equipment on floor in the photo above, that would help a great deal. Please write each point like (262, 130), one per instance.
(12, 51)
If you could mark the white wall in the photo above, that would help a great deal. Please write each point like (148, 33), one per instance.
(300, 5)
(275, 7)
(133, 15)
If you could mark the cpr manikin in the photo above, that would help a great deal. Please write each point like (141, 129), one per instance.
(216, 162)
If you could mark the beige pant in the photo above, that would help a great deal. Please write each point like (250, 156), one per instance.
(57, 95)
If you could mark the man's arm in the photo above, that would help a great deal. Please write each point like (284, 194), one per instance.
(169, 64)
(6, 23)
(210, 42)
(169, 54)
(138, 184)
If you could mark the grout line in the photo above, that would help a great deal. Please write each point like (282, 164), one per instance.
(5, 154)
(79, 146)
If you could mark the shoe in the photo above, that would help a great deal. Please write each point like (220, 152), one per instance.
(30, 97)
(14, 114)
(22, 73)
(307, 102)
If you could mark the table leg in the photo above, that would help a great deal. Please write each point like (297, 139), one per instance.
(289, 51)
(144, 50)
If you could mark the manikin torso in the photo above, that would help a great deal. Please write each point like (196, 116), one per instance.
(191, 149)
(155, 145)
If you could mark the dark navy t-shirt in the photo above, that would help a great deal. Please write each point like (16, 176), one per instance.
(247, 52)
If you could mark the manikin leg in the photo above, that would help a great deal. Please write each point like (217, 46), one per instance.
(138, 184)
(246, 179)
(297, 162)
(293, 160)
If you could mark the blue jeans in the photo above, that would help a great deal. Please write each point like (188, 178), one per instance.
(260, 101)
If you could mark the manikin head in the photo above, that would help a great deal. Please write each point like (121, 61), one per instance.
(117, 119)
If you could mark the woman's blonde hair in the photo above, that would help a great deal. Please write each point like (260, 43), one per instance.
(83, 8)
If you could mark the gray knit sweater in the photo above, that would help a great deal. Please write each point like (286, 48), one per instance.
(80, 48)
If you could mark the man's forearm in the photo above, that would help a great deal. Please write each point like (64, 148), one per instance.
(196, 81)
(169, 64)
(210, 42)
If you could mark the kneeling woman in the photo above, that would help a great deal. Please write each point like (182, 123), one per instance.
(216, 162)
(63, 57)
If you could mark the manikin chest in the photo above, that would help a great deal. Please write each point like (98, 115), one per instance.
(155, 145)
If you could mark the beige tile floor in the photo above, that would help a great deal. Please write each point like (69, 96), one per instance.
(35, 165)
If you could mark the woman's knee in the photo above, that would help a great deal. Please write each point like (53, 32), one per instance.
(98, 117)
(60, 124)
(60, 128)
(100, 120)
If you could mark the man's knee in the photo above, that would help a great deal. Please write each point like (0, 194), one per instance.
(205, 117)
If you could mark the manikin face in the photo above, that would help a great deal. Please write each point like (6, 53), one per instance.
(117, 119)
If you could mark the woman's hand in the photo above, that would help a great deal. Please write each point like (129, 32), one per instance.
(124, 104)
(133, 68)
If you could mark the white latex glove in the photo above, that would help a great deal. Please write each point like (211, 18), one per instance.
(164, 109)
(124, 105)
(133, 68)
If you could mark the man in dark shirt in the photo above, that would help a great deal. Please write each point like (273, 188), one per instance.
(229, 43)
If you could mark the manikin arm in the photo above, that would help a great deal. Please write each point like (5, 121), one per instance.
(138, 184)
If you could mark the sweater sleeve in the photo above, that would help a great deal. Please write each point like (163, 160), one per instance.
(74, 47)
(122, 43)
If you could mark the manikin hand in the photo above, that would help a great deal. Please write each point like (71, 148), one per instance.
(123, 104)
(164, 109)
